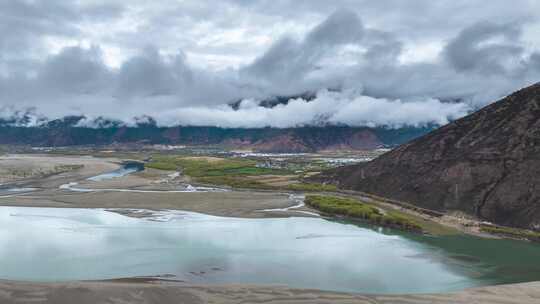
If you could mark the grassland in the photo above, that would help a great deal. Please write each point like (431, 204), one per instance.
(237, 173)
(28, 172)
(515, 233)
(245, 174)
(240, 182)
(204, 167)
(311, 187)
(355, 209)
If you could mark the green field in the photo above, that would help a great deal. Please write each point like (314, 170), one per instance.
(512, 232)
(231, 172)
(352, 208)
(233, 181)
(201, 167)
(311, 187)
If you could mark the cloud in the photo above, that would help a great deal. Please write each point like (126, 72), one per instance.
(10, 116)
(289, 61)
(535, 61)
(184, 63)
(486, 47)
(74, 70)
(150, 74)
(348, 107)
(26, 26)
(341, 27)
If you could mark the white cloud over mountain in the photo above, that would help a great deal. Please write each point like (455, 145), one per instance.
(390, 62)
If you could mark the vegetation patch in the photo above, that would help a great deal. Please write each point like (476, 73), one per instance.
(202, 167)
(311, 187)
(67, 168)
(511, 232)
(233, 181)
(162, 165)
(232, 172)
(355, 209)
(218, 171)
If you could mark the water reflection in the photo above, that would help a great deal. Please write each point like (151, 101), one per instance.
(127, 168)
(42, 244)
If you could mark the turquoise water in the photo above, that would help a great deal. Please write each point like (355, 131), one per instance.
(51, 244)
(126, 169)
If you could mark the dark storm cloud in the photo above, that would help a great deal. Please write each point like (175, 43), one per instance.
(473, 50)
(419, 19)
(24, 23)
(75, 70)
(392, 62)
(343, 26)
(535, 61)
(483, 48)
(148, 74)
(288, 58)
(384, 49)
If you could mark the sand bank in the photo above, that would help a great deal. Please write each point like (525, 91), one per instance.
(135, 292)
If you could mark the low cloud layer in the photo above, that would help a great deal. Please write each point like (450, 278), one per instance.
(365, 67)
(337, 108)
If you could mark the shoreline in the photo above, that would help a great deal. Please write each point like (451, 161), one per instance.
(141, 290)
(154, 189)
(225, 204)
(48, 193)
(247, 203)
(240, 203)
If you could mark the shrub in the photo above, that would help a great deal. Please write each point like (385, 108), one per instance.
(511, 232)
(312, 187)
(355, 209)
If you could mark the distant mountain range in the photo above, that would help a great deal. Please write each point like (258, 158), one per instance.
(486, 164)
(29, 128)
(68, 132)
(277, 100)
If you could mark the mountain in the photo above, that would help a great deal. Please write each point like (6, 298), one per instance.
(273, 101)
(67, 132)
(486, 164)
(26, 127)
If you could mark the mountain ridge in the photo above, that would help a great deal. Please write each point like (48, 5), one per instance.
(300, 139)
(486, 164)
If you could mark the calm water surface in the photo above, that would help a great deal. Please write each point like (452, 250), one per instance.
(51, 244)
(126, 169)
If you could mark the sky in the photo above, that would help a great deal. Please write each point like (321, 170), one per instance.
(387, 63)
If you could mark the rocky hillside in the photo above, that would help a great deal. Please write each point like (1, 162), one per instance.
(66, 132)
(486, 164)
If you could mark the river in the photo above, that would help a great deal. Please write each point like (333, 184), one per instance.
(55, 244)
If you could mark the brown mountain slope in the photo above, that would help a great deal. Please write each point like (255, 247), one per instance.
(486, 164)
